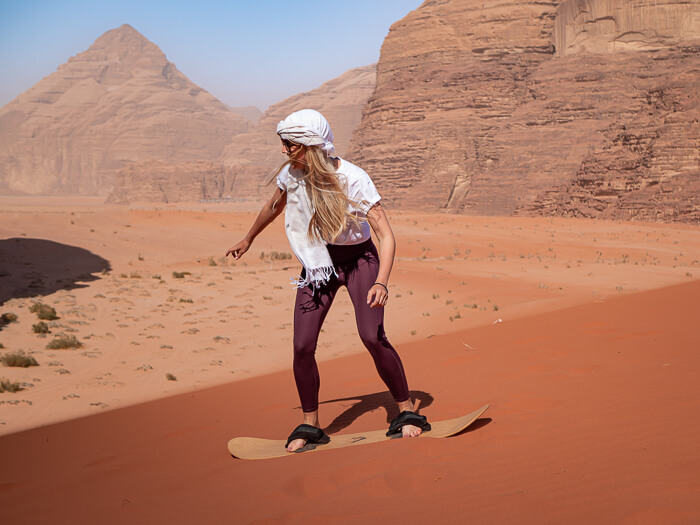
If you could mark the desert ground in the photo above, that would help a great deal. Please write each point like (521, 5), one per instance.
(582, 335)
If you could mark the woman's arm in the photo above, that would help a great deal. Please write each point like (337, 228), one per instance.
(378, 294)
(268, 213)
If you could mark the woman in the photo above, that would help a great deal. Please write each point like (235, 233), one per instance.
(330, 206)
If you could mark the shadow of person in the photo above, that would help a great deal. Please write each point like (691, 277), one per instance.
(368, 403)
(36, 267)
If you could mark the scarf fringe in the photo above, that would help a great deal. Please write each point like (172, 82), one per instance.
(314, 277)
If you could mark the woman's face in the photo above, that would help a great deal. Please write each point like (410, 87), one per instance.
(295, 152)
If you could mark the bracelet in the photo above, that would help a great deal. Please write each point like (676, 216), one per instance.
(384, 285)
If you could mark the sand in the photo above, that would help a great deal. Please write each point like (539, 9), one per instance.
(582, 335)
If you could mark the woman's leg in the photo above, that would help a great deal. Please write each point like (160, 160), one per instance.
(370, 325)
(310, 310)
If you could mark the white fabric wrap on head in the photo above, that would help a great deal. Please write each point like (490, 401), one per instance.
(307, 127)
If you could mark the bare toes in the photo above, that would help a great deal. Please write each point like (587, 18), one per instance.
(411, 431)
(296, 445)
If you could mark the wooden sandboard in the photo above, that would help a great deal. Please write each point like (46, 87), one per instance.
(258, 448)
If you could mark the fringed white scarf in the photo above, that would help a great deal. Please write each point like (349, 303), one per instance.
(311, 253)
(310, 128)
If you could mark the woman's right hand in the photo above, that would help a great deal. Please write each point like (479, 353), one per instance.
(239, 249)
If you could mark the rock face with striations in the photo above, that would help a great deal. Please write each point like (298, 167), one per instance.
(157, 181)
(251, 158)
(120, 101)
(645, 160)
(255, 156)
(609, 26)
(493, 109)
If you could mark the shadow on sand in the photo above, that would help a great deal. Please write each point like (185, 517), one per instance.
(36, 267)
(368, 403)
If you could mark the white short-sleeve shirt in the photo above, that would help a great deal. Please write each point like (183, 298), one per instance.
(360, 189)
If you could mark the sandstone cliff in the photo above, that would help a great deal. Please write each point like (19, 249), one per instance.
(255, 155)
(608, 26)
(157, 181)
(120, 101)
(252, 157)
(475, 112)
(646, 164)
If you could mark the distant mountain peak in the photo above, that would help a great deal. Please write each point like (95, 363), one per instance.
(123, 32)
(124, 42)
(120, 101)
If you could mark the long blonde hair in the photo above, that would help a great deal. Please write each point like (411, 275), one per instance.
(329, 201)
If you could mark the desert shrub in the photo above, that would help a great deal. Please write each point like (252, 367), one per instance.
(43, 311)
(8, 386)
(40, 328)
(64, 341)
(7, 318)
(19, 359)
(275, 256)
(180, 275)
(170, 377)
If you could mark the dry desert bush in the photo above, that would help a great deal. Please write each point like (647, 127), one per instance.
(43, 311)
(41, 328)
(19, 359)
(275, 256)
(64, 341)
(7, 318)
(9, 386)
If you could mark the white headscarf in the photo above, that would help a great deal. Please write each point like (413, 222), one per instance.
(308, 127)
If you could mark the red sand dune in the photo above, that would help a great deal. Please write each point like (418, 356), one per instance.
(593, 419)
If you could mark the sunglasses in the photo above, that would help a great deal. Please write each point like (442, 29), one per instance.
(289, 145)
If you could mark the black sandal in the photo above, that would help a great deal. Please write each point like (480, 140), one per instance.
(313, 436)
(408, 418)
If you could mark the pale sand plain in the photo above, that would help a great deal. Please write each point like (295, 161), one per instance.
(581, 334)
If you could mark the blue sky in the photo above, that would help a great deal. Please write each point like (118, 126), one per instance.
(243, 52)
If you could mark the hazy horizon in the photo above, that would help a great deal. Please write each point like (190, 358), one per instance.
(243, 53)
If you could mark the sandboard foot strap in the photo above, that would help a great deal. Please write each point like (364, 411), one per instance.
(313, 435)
(408, 418)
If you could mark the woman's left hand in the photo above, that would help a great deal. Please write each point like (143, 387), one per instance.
(377, 296)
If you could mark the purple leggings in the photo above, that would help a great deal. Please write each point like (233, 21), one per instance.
(357, 266)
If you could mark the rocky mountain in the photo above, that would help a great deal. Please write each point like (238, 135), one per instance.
(250, 112)
(645, 162)
(120, 101)
(158, 181)
(611, 26)
(251, 158)
(576, 107)
(257, 154)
